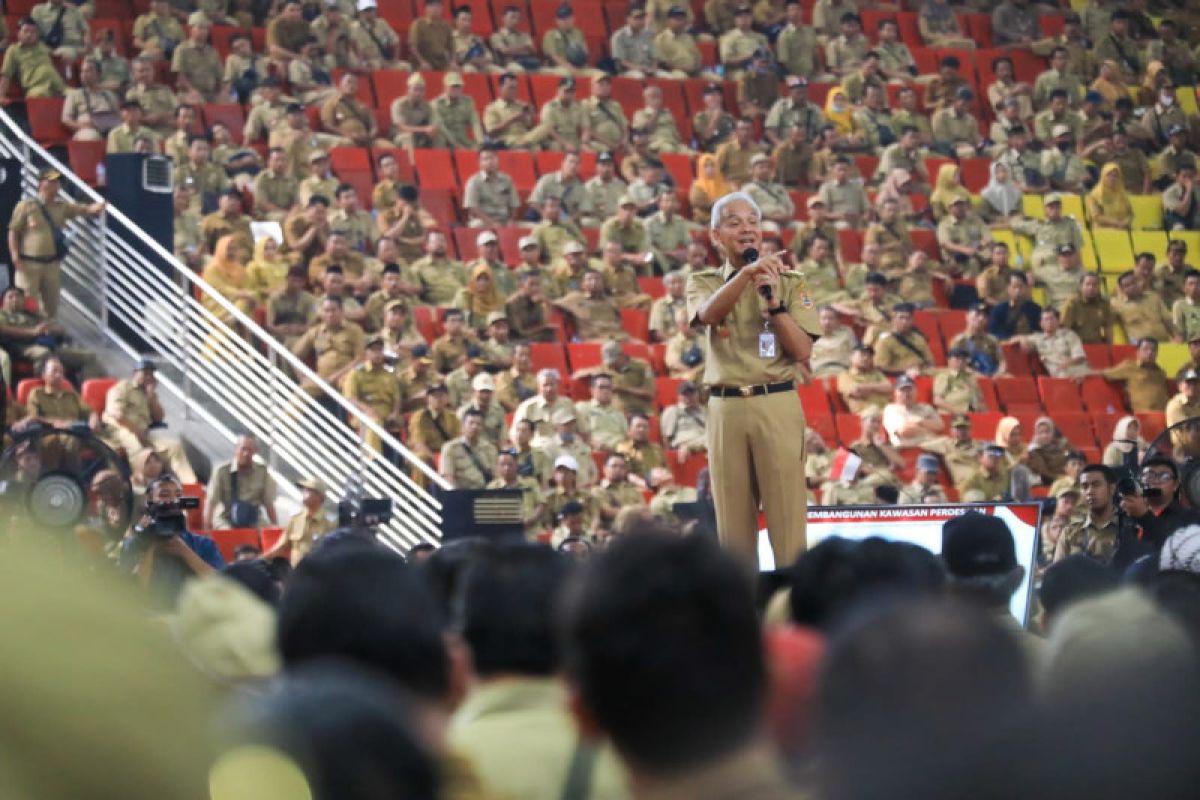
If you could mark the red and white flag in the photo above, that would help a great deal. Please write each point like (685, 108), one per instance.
(845, 465)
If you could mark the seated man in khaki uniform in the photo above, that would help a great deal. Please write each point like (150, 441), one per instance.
(336, 344)
(243, 481)
(903, 349)
(595, 314)
(863, 386)
(134, 418)
(304, 529)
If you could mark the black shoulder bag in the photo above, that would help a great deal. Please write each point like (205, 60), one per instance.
(61, 246)
(241, 513)
(54, 36)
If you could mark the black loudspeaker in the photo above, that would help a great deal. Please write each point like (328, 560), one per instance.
(140, 185)
(10, 195)
(488, 513)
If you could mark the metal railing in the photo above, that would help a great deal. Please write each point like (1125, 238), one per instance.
(233, 376)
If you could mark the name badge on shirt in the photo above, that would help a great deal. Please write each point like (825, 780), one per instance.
(766, 345)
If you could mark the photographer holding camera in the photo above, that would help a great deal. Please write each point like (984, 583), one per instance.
(1152, 502)
(159, 549)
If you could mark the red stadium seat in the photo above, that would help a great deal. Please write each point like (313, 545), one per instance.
(84, 156)
(979, 28)
(269, 537)
(688, 473)
(628, 93)
(25, 387)
(975, 173)
(658, 353)
(849, 428)
(850, 245)
(549, 355)
(826, 427)
(427, 322)
(983, 425)
(230, 539)
(1153, 424)
(1076, 427)
(990, 398)
(195, 516)
(652, 286)
(666, 391)
(910, 31)
(1098, 356)
(1100, 395)
(1018, 361)
(440, 203)
(435, 170)
(584, 355)
(1059, 393)
(94, 393)
(636, 322)
(814, 400)
(389, 85)
(45, 121)
(228, 114)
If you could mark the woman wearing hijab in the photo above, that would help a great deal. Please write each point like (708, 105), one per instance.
(144, 467)
(1107, 204)
(267, 271)
(226, 273)
(709, 187)
(1110, 84)
(479, 297)
(1001, 198)
(939, 27)
(1126, 438)
(840, 114)
(1009, 435)
(1048, 451)
(896, 187)
(946, 189)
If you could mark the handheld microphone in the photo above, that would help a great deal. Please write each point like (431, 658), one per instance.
(749, 256)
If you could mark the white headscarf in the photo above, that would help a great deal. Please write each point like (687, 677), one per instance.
(1004, 196)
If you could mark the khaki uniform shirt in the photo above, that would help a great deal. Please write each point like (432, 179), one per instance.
(34, 70)
(255, 486)
(458, 121)
(853, 378)
(960, 390)
(844, 55)
(983, 343)
(375, 388)
(607, 124)
(161, 32)
(208, 178)
(129, 403)
(637, 374)
(732, 346)
(155, 100)
(407, 111)
(793, 165)
(960, 458)
(738, 46)
(993, 487)
(683, 427)
(601, 198)
(568, 190)
(187, 232)
(795, 49)
(359, 228)
(1049, 81)
(97, 104)
(310, 187)
(596, 318)
(1169, 283)
(663, 312)
(35, 238)
(552, 236)
(201, 65)
(493, 422)
(1186, 316)
(678, 51)
(462, 470)
(497, 113)
(664, 134)
(636, 48)
(1147, 386)
(121, 139)
(429, 433)
(1146, 316)
(504, 39)
(1092, 320)
(668, 235)
(1048, 236)
(891, 353)
(531, 497)
(302, 531)
(709, 139)
(578, 449)
(733, 160)
(568, 121)
(333, 349)
(642, 457)
(606, 425)
(538, 411)
(771, 197)
(570, 45)
(831, 353)
(288, 34)
(494, 195)
(632, 236)
(432, 41)
(559, 497)
(1058, 351)
(847, 197)
(63, 404)
(369, 39)
(612, 497)
(1088, 537)
(440, 280)
(951, 128)
(512, 390)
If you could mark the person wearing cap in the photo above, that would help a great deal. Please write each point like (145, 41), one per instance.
(658, 122)
(133, 418)
(307, 75)
(34, 228)
(121, 139)
(1172, 274)
(1141, 313)
(924, 488)
(615, 492)
(376, 42)
(416, 376)
(556, 230)
(157, 32)
(989, 482)
(412, 117)
(513, 48)
(955, 128)
(607, 125)
(1067, 486)
(632, 47)
(483, 392)
(509, 476)
(343, 114)
(305, 528)
(1050, 235)
(562, 123)
(196, 64)
(455, 115)
(1166, 164)
(431, 40)
(712, 125)
(1024, 170)
(959, 451)
(675, 49)
(372, 387)
(737, 46)
(903, 349)
(440, 275)
(432, 426)
(508, 120)
(984, 350)
(468, 461)
(772, 197)
(796, 45)
(1058, 348)
(910, 423)
(956, 388)
(286, 33)
(684, 425)
(563, 183)
(625, 229)
(564, 46)
(293, 135)
(1181, 207)
(963, 238)
(595, 314)
(319, 180)
(568, 441)
(292, 310)
(1146, 384)
(1062, 164)
(751, 384)
(758, 85)
(1184, 405)
(567, 499)
(399, 331)
(490, 196)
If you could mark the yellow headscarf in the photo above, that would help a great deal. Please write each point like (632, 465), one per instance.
(265, 275)
(947, 188)
(842, 120)
(1113, 202)
(481, 303)
(715, 187)
(225, 267)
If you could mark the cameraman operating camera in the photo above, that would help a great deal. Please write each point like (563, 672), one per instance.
(160, 550)
(1153, 504)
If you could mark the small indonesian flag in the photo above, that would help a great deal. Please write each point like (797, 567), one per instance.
(845, 465)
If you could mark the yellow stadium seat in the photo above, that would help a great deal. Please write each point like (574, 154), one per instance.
(1147, 212)
(1113, 248)
(1018, 246)
(1087, 254)
(1172, 357)
(1078, 5)
(1039, 295)
(1073, 207)
(1190, 238)
(1031, 204)
(1187, 100)
(1119, 336)
(1151, 242)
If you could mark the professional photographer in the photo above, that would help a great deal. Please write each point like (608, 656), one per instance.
(1153, 504)
(159, 550)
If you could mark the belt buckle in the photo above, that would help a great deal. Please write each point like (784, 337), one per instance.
(747, 391)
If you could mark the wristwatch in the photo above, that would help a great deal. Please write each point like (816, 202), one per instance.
(779, 309)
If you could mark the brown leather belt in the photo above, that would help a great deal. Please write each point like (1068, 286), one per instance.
(752, 391)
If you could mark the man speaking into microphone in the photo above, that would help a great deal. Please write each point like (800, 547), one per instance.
(758, 321)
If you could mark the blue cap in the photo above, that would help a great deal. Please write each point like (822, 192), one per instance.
(564, 12)
(1093, 97)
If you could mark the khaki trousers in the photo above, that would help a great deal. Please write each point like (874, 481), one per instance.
(756, 457)
(169, 449)
(43, 282)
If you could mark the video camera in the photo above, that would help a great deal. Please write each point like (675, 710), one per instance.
(168, 519)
